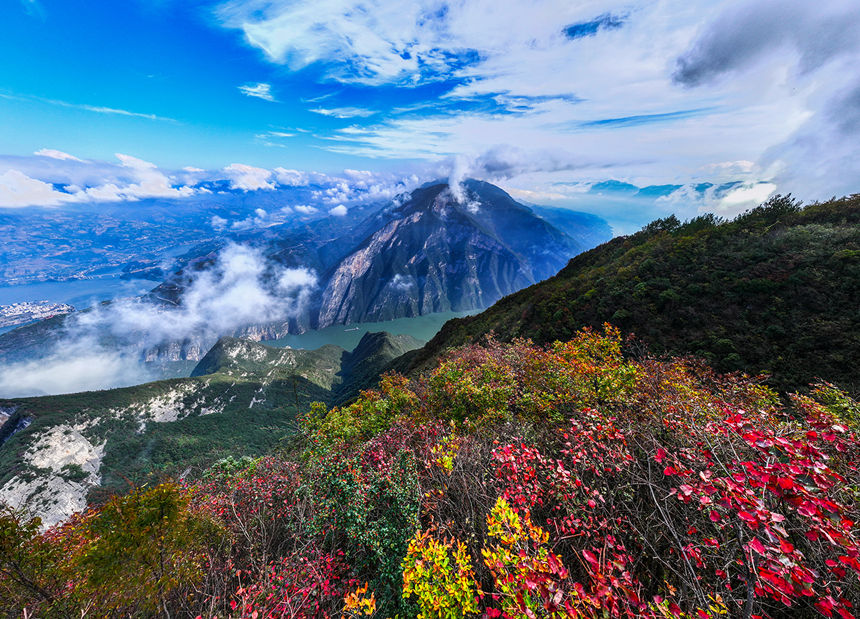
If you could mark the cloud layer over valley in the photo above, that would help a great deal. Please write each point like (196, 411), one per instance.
(105, 345)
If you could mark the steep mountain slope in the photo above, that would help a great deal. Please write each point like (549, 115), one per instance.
(428, 254)
(441, 254)
(242, 399)
(585, 229)
(776, 290)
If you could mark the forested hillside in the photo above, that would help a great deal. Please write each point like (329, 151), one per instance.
(775, 290)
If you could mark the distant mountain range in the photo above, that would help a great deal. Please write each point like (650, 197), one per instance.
(426, 252)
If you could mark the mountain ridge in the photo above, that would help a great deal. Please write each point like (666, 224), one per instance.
(758, 293)
(243, 397)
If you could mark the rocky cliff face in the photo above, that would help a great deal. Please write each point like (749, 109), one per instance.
(443, 254)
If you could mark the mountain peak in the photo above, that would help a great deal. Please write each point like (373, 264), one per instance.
(466, 198)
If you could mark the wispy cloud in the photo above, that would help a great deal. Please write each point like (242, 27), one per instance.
(98, 109)
(56, 154)
(344, 112)
(258, 90)
(34, 8)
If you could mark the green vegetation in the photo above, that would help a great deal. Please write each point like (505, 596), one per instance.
(241, 401)
(775, 290)
(579, 477)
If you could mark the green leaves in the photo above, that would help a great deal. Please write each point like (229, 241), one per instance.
(142, 546)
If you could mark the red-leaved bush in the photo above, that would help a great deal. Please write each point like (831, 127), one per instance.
(509, 481)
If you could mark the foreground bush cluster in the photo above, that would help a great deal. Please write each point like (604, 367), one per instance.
(510, 481)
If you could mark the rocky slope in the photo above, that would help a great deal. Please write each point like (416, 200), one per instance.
(443, 254)
(58, 452)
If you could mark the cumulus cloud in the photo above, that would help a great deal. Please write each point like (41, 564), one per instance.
(241, 288)
(103, 347)
(70, 179)
(17, 190)
(147, 182)
(291, 178)
(339, 211)
(260, 219)
(258, 90)
(248, 178)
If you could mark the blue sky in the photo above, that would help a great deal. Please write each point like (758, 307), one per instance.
(547, 98)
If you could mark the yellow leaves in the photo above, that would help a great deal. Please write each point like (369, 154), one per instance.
(445, 451)
(357, 604)
(506, 525)
(523, 569)
(440, 575)
(372, 413)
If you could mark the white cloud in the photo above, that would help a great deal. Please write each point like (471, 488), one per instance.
(291, 178)
(676, 86)
(248, 178)
(82, 365)
(56, 154)
(260, 219)
(133, 179)
(339, 211)
(241, 288)
(403, 283)
(718, 200)
(147, 182)
(236, 291)
(18, 190)
(344, 112)
(98, 109)
(258, 90)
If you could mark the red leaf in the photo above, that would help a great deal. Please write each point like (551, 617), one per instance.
(785, 483)
(756, 545)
